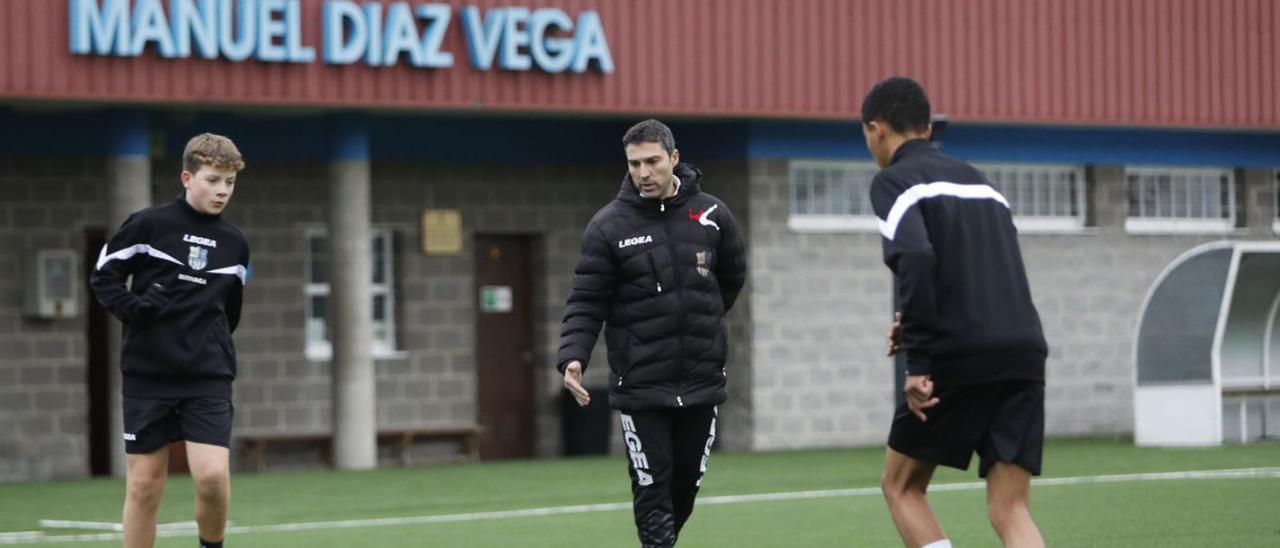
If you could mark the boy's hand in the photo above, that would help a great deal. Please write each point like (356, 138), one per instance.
(919, 390)
(154, 299)
(895, 335)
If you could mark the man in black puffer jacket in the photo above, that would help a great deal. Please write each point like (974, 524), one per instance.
(660, 266)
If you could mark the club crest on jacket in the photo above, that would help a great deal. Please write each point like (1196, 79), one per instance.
(198, 258)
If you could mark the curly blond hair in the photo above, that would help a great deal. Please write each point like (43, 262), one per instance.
(211, 150)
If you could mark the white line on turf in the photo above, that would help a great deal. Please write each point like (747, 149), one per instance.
(1239, 473)
(72, 524)
(109, 526)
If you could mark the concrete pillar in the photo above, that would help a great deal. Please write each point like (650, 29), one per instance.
(351, 311)
(129, 172)
(1259, 202)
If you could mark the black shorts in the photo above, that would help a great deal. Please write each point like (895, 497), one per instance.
(1002, 421)
(152, 423)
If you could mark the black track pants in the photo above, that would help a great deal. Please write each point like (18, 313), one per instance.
(667, 452)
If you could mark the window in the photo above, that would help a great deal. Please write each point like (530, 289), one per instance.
(835, 195)
(1180, 200)
(832, 196)
(1042, 197)
(317, 295)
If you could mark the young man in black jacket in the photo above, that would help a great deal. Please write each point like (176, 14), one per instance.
(660, 266)
(975, 348)
(189, 267)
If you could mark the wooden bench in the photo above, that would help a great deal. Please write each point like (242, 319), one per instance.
(256, 445)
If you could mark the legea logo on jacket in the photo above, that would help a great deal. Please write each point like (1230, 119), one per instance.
(646, 239)
(199, 240)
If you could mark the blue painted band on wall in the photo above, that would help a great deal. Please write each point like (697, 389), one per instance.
(130, 133)
(514, 140)
(91, 133)
(1033, 144)
(350, 138)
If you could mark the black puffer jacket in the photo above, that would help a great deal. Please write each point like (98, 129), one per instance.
(660, 274)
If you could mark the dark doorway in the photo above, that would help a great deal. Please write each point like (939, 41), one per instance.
(504, 346)
(98, 370)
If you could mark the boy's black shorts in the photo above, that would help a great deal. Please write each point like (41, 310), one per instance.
(152, 423)
(1002, 421)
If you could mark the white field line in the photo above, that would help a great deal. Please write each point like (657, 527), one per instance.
(108, 526)
(40, 537)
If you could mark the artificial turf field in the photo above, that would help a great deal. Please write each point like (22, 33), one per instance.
(815, 498)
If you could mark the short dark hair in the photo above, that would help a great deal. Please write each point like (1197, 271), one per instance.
(899, 102)
(650, 131)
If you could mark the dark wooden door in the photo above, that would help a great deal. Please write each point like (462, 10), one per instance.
(504, 346)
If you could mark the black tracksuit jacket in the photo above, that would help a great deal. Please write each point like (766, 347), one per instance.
(948, 236)
(660, 275)
(188, 270)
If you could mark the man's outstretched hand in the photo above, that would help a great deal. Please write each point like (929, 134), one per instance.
(573, 383)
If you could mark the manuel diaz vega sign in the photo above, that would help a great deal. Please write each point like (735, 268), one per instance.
(510, 38)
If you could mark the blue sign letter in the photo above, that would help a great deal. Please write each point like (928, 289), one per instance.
(297, 53)
(104, 32)
(237, 50)
(513, 38)
(373, 50)
(482, 41)
(402, 35)
(338, 50)
(438, 17)
(551, 54)
(268, 29)
(190, 23)
(150, 25)
(591, 44)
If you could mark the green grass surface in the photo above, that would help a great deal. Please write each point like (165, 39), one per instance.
(1188, 512)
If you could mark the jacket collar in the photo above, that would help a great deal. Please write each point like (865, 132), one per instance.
(182, 204)
(909, 148)
(688, 177)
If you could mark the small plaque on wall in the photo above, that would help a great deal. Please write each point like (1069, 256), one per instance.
(442, 232)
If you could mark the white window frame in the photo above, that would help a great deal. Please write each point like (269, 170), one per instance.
(868, 222)
(383, 347)
(822, 222)
(1167, 225)
(1032, 222)
(1275, 200)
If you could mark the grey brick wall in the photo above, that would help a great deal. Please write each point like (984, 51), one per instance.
(429, 383)
(44, 203)
(432, 381)
(806, 365)
(821, 305)
(1089, 289)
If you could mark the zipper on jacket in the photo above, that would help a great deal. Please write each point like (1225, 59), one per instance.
(675, 271)
(654, 267)
(679, 401)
